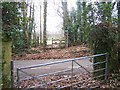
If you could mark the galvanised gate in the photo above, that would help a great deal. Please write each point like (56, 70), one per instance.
(76, 76)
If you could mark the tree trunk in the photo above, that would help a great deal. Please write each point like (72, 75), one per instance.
(33, 24)
(30, 26)
(40, 27)
(6, 59)
(44, 26)
(85, 29)
(118, 7)
(25, 32)
(34, 36)
(66, 23)
(0, 47)
(79, 20)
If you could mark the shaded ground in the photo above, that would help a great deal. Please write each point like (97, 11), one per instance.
(70, 52)
(54, 82)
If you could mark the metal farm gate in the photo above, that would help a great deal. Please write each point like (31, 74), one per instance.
(76, 76)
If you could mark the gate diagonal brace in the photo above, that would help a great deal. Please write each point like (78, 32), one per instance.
(27, 74)
(83, 67)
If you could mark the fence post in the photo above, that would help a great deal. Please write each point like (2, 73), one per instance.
(12, 74)
(18, 79)
(106, 68)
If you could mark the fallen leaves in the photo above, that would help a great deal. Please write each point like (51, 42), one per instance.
(60, 81)
(71, 52)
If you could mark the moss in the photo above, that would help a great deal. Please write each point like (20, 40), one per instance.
(0, 64)
(6, 58)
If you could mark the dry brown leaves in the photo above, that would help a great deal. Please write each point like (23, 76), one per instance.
(71, 52)
(49, 82)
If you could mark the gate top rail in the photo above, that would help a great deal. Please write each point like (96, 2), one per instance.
(68, 60)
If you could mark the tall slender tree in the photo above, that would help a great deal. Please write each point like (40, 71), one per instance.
(118, 7)
(65, 15)
(79, 21)
(24, 22)
(0, 45)
(66, 23)
(91, 20)
(44, 25)
(34, 25)
(40, 26)
(30, 26)
(84, 16)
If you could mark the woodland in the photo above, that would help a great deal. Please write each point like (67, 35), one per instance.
(92, 28)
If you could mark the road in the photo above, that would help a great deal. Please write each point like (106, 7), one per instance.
(48, 68)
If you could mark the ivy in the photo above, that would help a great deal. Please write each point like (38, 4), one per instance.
(10, 19)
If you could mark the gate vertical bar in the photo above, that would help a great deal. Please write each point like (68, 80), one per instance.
(72, 76)
(106, 68)
(18, 79)
(12, 74)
